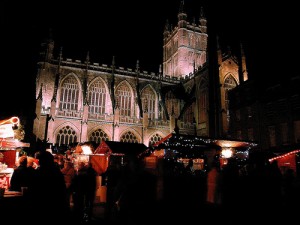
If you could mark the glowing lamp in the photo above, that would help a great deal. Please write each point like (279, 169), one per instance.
(227, 152)
(86, 150)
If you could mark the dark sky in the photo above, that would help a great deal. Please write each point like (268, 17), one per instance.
(132, 30)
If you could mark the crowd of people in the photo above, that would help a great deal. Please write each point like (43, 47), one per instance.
(131, 192)
(260, 192)
(59, 191)
(53, 189)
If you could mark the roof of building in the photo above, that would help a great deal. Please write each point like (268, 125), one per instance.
(120, 148)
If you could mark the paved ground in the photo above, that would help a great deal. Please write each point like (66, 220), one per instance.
(98, 212)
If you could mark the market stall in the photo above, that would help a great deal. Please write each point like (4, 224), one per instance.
(119, 151)
(202, 150)
(9, 146)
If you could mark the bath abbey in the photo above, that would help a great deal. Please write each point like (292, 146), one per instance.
(80, 101)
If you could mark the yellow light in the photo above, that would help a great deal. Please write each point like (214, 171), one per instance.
(227, 152)
(86, 150)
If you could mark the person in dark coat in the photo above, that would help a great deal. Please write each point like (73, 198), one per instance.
(21, 175)
(111, 177)
(84, 191)
(48, 192)
(136, 194)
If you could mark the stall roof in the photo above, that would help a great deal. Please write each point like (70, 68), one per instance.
(193, 146)
(198, 141)
(233, 143)
(120, 148)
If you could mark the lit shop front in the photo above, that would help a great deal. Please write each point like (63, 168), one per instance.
(201, 150)
(107, 153)
(119, 152)
(8, 149)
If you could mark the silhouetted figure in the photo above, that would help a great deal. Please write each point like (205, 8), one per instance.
(84, 191)
(48, 192)
(256, 192)
(213, 196)
(189, 169)
(21, 176)
(136, 193)
(69, 173)
(230, 187)
(22, 180)
(111, 178)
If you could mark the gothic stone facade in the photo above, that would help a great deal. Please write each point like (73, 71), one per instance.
(84, 101)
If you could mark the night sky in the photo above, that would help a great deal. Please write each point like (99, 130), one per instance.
(133, 30)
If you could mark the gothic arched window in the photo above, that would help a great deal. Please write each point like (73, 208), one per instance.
(188, 116)
(129, 137)
(171, 103)
(229, 84)
(69, 94)
(124, 99)
(202, 102)
(97, 98)
(66, 136)
(154, 139)
(98, 136)
(148, 102)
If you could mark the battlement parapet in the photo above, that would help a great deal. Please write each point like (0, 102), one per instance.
(119, 71)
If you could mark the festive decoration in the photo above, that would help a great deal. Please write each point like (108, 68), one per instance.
(181, 148)
(284, 155)
(287, 161)
(191, 146)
